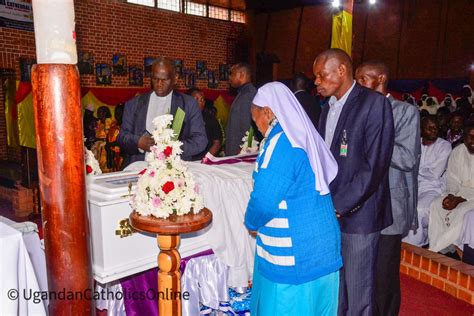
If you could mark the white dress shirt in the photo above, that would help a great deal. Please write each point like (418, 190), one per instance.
(335, 109)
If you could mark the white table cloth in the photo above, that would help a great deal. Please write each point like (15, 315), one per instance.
(17, 275)
(226, 191)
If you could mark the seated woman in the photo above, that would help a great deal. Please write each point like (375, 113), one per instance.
(291, 213)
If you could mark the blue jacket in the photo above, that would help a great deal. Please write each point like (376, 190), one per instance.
(298, 236)
(193, 133)
(360, 191)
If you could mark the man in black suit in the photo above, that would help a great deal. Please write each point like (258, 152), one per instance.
(299, 86)
(357, 125)
(134, 137)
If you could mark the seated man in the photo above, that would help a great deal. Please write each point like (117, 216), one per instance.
(435, 153)
(447, 212)
(135, 135)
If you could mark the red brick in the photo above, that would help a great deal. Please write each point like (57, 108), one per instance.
(416, 260)
(463, 280)
(443, 271)
(437, 283)
(425, 263)
(450, 289)
(466, 296)
(425, 278)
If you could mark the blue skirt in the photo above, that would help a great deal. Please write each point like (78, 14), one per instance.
(318, 297)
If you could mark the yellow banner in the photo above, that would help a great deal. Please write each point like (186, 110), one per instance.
(26, 122)
(11, 113)
(342, 31)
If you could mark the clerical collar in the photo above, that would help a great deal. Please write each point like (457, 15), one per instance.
(162, 98)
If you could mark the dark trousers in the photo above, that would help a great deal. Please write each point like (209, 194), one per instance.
(388, 275)
(357, 277)
(468, 255)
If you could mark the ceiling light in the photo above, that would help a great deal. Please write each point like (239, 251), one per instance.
(336, 3)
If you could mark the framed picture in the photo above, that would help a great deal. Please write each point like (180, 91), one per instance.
(103, 74)
(224, 72)
(25, 68)
(201, 70)
(178, 66)
(119, 65)
(135, 75)
(147, 63)
(212, 80)
(189, 78)
(85, 63)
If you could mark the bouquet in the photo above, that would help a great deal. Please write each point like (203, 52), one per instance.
(92, 165)
(165, 187)
(249, 143)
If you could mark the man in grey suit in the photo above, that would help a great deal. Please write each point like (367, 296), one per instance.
(135, 133)
(240, 118)
(403, 181)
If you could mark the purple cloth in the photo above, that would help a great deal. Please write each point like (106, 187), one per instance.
(300, 131)
(147, 283)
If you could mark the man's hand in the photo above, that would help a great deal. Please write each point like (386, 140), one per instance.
(145, 142)
(451, 202)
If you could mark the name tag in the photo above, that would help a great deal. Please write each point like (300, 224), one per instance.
(344, 147)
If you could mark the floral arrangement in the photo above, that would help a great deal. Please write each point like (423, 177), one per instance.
(249, 143)
(92, 165)
(165, 187)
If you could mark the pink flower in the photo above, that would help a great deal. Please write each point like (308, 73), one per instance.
(142, 172)
(152, 174)
(196, 189)
(161, 156)
(156, 202)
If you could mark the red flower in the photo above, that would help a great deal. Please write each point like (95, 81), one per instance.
(168, 187)
(142, 172)
(168, 151)
(88, 169)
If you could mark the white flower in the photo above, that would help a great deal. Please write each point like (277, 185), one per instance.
(165, 187)
(92, 163)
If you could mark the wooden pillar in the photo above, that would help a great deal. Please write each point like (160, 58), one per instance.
(169, 276)
(167, 234)
(59, 143)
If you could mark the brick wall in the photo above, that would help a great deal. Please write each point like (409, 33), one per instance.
(451, 276)
(105, 27)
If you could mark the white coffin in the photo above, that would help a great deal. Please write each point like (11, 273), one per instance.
(114, 257)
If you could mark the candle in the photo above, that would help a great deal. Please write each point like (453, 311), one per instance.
(55, 36)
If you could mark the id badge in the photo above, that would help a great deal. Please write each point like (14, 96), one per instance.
(343, 150)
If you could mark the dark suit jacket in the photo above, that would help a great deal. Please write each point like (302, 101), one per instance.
(311, 106)
(193, 132)
(360, 190)
(240, 119)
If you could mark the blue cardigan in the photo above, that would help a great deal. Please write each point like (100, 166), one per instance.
(298, 236)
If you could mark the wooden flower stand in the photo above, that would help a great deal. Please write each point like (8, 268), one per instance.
(168, 235)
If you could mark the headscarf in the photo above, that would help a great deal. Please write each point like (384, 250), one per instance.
(300, 131)
(472, 92)
(452, 107)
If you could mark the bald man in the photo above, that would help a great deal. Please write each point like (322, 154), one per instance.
(357, 125)
(240, 119)
(403, 179)
(135, 134)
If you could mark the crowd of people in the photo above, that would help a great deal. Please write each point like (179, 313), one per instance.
(340, 179)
